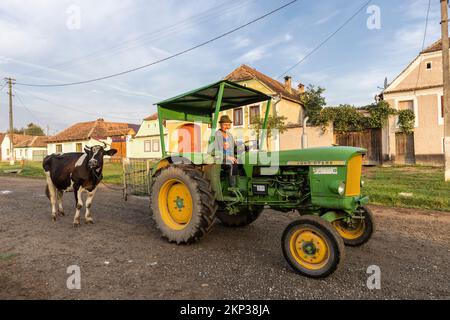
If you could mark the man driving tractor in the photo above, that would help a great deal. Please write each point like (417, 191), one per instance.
(225, 151)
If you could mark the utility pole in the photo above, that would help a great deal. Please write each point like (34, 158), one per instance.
(11, 122)
(446, 71)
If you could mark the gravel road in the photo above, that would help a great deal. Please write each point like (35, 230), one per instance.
(123, 256)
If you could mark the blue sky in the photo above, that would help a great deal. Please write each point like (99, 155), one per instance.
(36, 46)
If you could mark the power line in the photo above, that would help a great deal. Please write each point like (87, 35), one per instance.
(164, 59)
(78, 110)
(321, 44)
(40, 123)
(423, 44)
(147, 37)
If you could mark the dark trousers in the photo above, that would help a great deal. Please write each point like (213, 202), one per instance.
(231, 171)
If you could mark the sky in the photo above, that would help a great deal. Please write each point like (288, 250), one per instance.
(59, 41)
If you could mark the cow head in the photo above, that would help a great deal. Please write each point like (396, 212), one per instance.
(95, 156)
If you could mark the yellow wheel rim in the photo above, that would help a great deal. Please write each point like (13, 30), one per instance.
(175, 204)
(310, 249)
(350, 232)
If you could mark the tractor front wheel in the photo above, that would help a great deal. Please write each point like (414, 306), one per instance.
(243, 218)
(359, 230)
(183, 204)
(312, 247)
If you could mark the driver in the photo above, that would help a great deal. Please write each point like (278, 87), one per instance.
(225, 149)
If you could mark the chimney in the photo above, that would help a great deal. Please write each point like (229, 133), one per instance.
(288, 83)
(301, 88)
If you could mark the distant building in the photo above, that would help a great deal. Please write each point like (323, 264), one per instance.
(76, 137)
(419, 88)
(5, 146)
(146, 144)
(33, 149)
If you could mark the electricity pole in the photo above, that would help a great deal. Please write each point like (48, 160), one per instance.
(11, 122)
(446, 71)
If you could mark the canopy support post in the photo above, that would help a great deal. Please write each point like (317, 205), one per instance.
(161, 133)
(264, 128)
(216, 113)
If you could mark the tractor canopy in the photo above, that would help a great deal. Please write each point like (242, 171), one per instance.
(200, 104)
(204, 105)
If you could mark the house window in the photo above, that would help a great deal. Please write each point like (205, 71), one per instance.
(238, 117)
(147, 146)
(428, 65)
(59, 148)
(79, 147)
(255, 114)
(155, 145)
(406, 105)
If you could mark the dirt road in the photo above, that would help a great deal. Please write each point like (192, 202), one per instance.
(123, 257)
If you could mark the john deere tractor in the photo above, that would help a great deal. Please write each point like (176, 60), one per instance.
(190, 190)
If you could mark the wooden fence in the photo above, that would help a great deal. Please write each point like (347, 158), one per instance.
(368, 139)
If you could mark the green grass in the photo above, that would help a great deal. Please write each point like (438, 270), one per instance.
(385, 184)
(112, 172)
(7, 256)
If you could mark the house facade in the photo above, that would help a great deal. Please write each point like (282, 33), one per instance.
(34, 149)
(5, 146)
(419, 87)
(76, 137)
(146, 144)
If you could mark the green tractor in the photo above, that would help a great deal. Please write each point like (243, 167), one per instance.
(188, 191)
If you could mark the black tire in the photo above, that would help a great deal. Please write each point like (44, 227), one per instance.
(367, 225)
(203, 204)
(335, 251)
(243, 218)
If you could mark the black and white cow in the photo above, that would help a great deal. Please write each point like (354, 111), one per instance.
(77, 172)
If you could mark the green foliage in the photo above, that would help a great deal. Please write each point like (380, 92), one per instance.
(31, 129)
(273, 123)
(313, 102)
(347, 118)
(406, 121)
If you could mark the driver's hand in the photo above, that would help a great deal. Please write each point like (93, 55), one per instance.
(233, 160)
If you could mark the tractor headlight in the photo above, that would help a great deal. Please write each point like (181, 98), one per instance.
(338, 187)
(341, 189)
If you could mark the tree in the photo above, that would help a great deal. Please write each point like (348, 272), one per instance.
(33, 130)
(313, 102)
(273, 123)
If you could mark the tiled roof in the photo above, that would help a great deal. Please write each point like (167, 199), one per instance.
(245, 72)
(94, 129)
(34, 142)
(152, 117)
(436, 46)
(2, 136)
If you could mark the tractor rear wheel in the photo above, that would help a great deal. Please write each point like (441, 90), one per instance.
(244, 217)
(312, 247)
(358, 232)
(183, 204)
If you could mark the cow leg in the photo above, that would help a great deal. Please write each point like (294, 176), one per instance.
(60, 203)
(89, 200)
(79, 204)
(52, 195)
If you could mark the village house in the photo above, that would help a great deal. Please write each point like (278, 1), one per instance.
(5, 145)
(146, 143)
(33, 149)
(419, 87)
(76, 137)
(243, 118)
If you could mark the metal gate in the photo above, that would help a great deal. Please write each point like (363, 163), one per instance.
(136, 181)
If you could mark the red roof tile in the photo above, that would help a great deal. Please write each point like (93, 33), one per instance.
(245, 72)
(34, 142)
(94, 129)
(152, 117)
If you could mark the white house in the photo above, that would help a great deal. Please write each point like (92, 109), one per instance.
(5, 146)
(76, 137)
(146, 143)
(34, 149)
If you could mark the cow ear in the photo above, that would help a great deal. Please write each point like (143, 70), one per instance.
(111, 152)
(87, 149)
